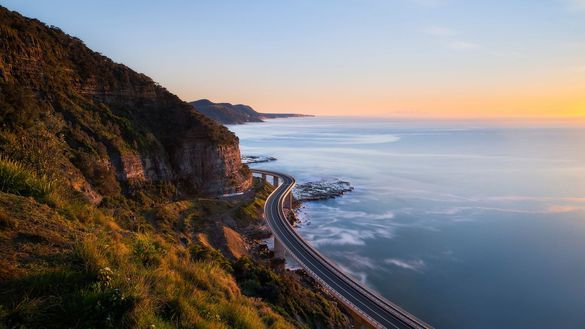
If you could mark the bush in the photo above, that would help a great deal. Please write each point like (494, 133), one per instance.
(17, 179)
(149, 252)
(205, 254)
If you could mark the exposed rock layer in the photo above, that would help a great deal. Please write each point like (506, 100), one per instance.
(321, 190)
(114, 129)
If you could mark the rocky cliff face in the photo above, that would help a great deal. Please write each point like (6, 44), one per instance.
(115, 129)
(199, 160)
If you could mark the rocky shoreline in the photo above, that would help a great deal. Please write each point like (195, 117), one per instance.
(250, 159)
(321, 190)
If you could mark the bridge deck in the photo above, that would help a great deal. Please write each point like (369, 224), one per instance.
(375, 309)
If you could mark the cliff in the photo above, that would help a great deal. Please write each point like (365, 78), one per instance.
(107, 184)
(109, 129)
(225, 113)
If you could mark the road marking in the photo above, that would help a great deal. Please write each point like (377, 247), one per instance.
(283, 230)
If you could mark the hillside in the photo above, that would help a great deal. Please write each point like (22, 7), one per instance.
(111, 213)
(225, 113)
(104, 122)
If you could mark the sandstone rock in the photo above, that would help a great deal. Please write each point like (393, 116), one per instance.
(117, 122)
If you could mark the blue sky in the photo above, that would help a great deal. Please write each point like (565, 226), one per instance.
(378, 57)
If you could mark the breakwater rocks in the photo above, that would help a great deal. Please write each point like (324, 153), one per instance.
(321, 190)
(249, 159)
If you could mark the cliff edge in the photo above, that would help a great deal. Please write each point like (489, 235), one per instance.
(104, 127)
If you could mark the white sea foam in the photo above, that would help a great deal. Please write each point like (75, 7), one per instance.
(416, 185)
(415, 265)
(360, 276)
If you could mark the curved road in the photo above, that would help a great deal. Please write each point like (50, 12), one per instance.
(378, 311)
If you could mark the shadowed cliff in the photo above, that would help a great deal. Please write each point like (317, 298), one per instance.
(227, 114)
(105, 127)
(107, 211)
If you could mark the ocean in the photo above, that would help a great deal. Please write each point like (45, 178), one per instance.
(463, 224)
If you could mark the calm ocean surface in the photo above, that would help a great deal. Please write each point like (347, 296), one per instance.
(465, 225)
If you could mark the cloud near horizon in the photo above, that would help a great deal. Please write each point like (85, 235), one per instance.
(403, 58)
(447, 34)
(576, 4)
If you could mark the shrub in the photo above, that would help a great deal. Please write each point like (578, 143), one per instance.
(202, 253)
(149, 252)
(17, 179)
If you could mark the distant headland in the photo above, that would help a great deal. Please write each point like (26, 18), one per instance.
(226, 113)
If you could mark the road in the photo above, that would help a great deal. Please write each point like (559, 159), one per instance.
(374, 308)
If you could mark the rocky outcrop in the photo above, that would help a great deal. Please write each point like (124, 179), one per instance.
(210, 169)
(227, 114)
(321, 190)
(250, 159)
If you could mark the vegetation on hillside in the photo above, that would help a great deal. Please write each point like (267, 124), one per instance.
(16, 179)
(72, 265)
(85, 113)
(81, 247)
(102, 276)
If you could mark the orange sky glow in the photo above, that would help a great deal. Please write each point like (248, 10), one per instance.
(399, 58)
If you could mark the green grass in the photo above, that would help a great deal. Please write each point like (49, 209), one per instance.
(252, 212)
(68, 261)
(20, 180)
(122, 279)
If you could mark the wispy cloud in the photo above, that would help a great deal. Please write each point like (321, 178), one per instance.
(448, 37)
(563, 209)
(463, 45)
(507, 54)
(440, 31)
(578, 5)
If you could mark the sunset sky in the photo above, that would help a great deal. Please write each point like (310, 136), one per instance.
(407, 58)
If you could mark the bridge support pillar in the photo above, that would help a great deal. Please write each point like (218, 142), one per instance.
(279, 251)
(358, 321)
(263, 177)
(275, 181)
(288, 201)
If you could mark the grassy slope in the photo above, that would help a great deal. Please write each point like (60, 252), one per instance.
(135, 262)
(66, 263)
(133, 259)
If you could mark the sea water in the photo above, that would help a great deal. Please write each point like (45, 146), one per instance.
(463, 224)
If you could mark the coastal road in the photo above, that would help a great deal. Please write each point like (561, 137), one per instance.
(375, 309)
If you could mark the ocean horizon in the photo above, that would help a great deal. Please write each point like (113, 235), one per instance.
(468, 224)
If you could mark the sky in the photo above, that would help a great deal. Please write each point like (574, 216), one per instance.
(401, 58)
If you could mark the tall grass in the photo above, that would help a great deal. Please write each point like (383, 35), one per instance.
(176, 290)
(17, 179)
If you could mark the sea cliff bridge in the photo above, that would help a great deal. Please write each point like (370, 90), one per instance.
(368, 305)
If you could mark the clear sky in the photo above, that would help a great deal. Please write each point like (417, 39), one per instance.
(410, 58)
